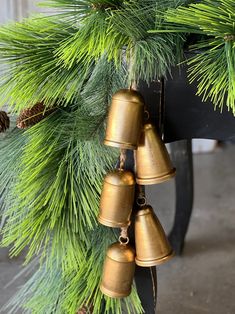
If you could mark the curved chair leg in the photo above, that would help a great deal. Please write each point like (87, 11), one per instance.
(182, 158)
(146, 283)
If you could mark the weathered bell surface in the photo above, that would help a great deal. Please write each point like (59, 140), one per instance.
(117, 199)
(152, 246)
(153, 164)
(118, 271)
(125, 119)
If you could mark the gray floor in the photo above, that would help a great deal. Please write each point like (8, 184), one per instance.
(203, 280)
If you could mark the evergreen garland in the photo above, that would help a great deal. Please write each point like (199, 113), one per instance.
(120, 29)
(73, 61)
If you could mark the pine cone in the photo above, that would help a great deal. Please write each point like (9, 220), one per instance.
(4, 121)
(31, 116)
(85, 310)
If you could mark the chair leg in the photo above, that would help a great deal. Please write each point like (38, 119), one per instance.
(146, 283)
(183, 161)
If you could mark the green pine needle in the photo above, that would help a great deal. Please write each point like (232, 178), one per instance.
(11, 147)
(33, 73)
(214, 65)
(53, 291)
(122, 31)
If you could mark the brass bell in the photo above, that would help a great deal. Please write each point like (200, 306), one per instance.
(152, 246)
(118, 271)
(153, 164)
(125, 119)
(117, 199)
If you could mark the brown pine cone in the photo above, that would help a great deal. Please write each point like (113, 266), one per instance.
(4, 121)
(85, 310)
(31, 116)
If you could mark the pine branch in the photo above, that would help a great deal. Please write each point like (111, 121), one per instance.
(76, 10)
(11, 149)
(123, 33)
(59, 186)
(214, 66)
(92, 40)
(40, 293)
(33, 73)
(52, 291)
(86, 282)
(62, 168)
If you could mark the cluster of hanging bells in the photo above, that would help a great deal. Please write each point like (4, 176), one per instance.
(127, 130)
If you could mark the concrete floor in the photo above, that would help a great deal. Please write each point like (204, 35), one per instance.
(203, 279)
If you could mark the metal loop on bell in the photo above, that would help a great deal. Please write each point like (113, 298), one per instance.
(123, 241)
(146, 115)
(141, 201)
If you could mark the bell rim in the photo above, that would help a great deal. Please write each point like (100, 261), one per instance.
(120, 144)
(113, 294)
(156, 180)
(109, 223)
(155, 262)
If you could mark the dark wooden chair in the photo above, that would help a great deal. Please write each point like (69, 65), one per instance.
(180, 116)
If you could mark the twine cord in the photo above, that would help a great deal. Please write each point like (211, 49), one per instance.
(122, 158)
(124, 233)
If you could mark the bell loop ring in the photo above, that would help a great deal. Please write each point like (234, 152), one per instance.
(146, 115)
(141, 201)
(123, 241)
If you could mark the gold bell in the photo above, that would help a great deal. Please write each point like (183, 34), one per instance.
(117, 199)
(152, 246)
(124, 119)
(153, 164)
(118, 271)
